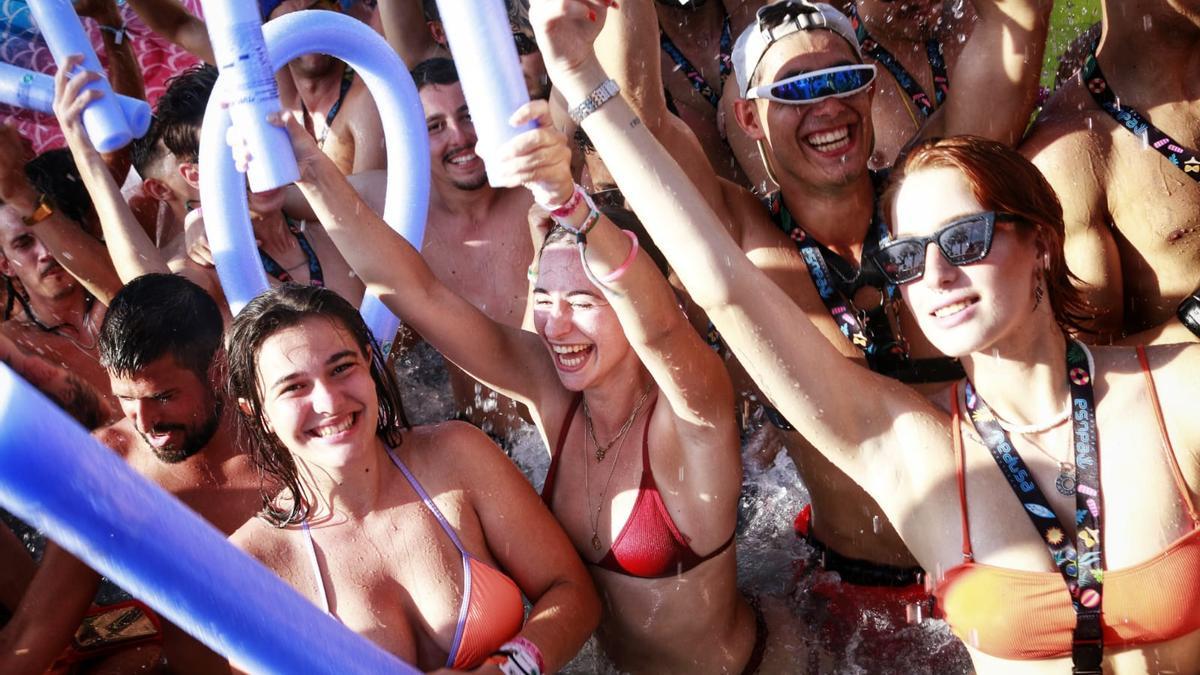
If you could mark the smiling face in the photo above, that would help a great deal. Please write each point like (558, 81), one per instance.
(451, 137)
(27, 260)
(317, 393)
(173, 409)
(823, 144)
(577, 324)
(969, 308)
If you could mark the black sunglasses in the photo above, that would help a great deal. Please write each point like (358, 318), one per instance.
(963, 241)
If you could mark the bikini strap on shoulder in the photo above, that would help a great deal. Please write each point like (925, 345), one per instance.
(1172, 460)
(959, 462)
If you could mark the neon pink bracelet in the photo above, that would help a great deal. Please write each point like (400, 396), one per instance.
(620, 271)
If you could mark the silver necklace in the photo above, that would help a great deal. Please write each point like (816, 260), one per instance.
(603, 448)
(595, 517)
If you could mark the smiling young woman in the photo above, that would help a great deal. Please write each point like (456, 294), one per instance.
(359, 507)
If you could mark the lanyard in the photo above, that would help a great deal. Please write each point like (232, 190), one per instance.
(347, 80)
(1184, 159)
(701, 86)
(933, 52)
(315, 276)
(1080, 562)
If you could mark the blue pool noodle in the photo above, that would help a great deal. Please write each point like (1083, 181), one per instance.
(29, 89)
(407, 200)
(481, 42)
(64, 35)
(235, 30)
(85, 497)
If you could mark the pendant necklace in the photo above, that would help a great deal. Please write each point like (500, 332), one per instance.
(603, 448)
(595, 516)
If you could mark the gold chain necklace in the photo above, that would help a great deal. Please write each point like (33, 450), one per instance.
(603, 448)
(595, 517)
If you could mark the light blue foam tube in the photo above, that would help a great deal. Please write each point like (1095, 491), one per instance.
(85, 497)
(33, 90)
(407, 141)
(235, 30)
(481, 41)
(60, 26)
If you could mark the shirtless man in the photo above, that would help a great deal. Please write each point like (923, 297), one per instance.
(1132, 206)
(477, 240)
(176, 432)
(335, 105)
(291, 250)
(819, 153)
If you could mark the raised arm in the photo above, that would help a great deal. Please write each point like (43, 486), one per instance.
(406, 31)
(996, 77)
(506, 359)
(690, 375)
(133, 253)
(171, 20)
(628, 49)
(796, 367)
(79, 253)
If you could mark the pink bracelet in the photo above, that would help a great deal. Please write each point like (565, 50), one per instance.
(620, 271)
(524, 655)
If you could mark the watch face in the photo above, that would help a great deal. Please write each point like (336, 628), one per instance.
(1189, 313)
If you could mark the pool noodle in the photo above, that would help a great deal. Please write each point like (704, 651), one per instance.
(60, 26)
(407, 143)
(481, 42)
(23, 88)
(85, 497)
(235, 30)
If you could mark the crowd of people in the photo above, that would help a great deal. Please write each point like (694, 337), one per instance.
(966, 312)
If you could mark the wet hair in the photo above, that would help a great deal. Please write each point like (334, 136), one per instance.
(438, 70)
(147, 151)
(1002, 180)
(54, 174)
(157, 315)
(180, 111)
(274, 310)
(431, 10)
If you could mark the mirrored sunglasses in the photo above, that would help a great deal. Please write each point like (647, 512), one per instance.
(962, 242)
(836, 82)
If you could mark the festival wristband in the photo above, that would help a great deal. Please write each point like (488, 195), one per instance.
(588, 223)
(627, 263)
(119, 33)
(522, 657)
(569, 207)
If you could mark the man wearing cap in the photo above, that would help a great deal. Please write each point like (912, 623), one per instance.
(806, 100)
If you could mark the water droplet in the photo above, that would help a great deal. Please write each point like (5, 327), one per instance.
(1147, 22)
(876, 524)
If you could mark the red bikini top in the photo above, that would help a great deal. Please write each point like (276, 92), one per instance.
(649, 545)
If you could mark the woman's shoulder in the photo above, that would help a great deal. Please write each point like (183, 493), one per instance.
(269, 544)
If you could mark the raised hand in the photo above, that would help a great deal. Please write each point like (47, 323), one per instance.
(539, 159)
(566, 31)
(70, 98)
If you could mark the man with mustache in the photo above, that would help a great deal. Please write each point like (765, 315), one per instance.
(159, 343)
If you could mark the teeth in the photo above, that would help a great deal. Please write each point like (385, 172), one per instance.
(330, 430)
(463, 159)
(568, 349)
(826, 141)
(952, 309)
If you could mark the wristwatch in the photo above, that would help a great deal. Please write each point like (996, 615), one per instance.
(599, 96)
(1189, 313)
(42, 211)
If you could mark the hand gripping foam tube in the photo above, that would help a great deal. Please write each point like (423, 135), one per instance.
(60, 26)
(89, 500)
(29, 89)
(407, 142)
(235, 30)
(481, 41)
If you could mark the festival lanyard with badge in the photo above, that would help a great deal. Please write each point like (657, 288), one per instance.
(701, 86)
(1080, 562)
(937, 65)
(1130, 119)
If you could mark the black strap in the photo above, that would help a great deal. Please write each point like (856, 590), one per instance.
(1184, 159)
(933, 52)
(347, 80)
(315, 275)
(1080, 562)
(692, 73)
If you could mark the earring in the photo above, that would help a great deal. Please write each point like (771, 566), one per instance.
(1038, 293)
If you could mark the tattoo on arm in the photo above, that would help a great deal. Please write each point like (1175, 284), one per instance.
(635, 123)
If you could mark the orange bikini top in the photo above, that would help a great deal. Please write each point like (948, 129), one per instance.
(492, 611)
(1020, 615)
